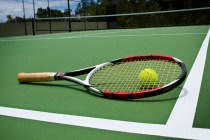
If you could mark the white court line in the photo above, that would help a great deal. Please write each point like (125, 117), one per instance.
(72, 35)
(98, 36)
(184, 111)
(107, 124)
(146, 35)
(171, 129)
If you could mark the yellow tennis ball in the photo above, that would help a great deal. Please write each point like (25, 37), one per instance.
(148, 77)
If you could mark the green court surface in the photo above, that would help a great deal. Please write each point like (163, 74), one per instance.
(76, 50)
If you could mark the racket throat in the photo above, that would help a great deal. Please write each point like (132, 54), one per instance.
(75, 80)
(59, 75)
(85, 83)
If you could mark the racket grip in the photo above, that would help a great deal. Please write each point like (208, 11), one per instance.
(36, 77)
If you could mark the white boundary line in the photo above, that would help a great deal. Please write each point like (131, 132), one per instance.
(185, 108)
(97, 35)
(144, 35)
(107, 124)
(177, 126)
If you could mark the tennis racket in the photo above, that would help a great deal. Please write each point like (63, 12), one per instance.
(118, 79)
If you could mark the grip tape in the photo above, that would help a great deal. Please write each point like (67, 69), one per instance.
(36, 77)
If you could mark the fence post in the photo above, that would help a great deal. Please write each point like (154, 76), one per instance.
(33, 26)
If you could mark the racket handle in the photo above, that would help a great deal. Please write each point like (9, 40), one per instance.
(36, 77)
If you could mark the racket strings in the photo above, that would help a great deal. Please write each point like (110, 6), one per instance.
(131, 81)
(115, 75)
(162, 69)
(123, 76)
(133, 84)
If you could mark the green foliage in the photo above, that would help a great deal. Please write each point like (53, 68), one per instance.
(99, 7)
(45, 13)
(10, 19)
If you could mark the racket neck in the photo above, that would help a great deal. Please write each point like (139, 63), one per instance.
(79, 72)
(76, 80)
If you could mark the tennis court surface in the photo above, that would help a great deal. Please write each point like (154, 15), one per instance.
(65, 110)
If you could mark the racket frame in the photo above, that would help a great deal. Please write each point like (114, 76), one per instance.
(70, 76)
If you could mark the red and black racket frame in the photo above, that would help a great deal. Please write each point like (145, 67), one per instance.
(126, 95)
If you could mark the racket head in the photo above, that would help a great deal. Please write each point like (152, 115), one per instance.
(119, 78)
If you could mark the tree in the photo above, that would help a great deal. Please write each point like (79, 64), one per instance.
(16, 19)
(78, 9)
(42, 13)
(45, 13)
(9, 19)
(66, 12)
(56, 13)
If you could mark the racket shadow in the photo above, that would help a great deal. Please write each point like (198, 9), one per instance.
(172, 95)
(72, 86)
(168, 96)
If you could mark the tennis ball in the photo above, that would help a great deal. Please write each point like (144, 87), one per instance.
(148, 77)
